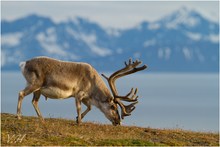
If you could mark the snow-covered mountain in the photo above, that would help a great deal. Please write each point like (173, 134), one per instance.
(182, 41)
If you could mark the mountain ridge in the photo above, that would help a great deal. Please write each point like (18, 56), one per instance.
(183, 41)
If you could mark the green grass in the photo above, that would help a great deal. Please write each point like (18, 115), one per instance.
(62, 132)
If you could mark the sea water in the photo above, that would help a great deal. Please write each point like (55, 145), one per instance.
(166, 100)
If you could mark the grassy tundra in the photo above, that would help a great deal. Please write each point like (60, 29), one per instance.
(30, 131)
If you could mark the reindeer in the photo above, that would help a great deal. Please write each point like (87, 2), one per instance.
(57, 79)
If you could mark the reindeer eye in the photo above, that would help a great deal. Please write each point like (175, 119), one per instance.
(113, 107)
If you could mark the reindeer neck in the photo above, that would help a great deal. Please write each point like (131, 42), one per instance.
(101, 97)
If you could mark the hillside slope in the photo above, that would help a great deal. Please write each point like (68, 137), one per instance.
(30, 131)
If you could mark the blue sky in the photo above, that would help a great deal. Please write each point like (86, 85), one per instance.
(108, 14)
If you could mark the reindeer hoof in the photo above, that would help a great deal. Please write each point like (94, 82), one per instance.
(42, 120)
(18, 117)
(77, 121)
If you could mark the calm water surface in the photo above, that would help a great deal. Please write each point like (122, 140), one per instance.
(186, 101)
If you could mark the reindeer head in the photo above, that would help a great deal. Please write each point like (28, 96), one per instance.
(111, 112)
(130, 68)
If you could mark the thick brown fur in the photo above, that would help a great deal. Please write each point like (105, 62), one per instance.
(60, 79)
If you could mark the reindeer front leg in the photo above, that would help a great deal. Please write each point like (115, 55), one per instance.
(35, 100)
(78, 109)
(82, 97)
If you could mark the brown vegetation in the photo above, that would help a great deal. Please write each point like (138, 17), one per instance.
(30, 131)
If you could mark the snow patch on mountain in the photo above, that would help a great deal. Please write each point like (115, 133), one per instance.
(73, 33)
(36, 26)
(182, 20)
(200, 56)
(182, 16)
(7, 59)
(3, 58)
(113, 32)
(75, 20)
(49, 43)
(187, 53)
(164, 53)
(149, 43)
(91, 41)
(11, 39)
(194, 36)
(153, 26)
(51, 31)
(213, 38)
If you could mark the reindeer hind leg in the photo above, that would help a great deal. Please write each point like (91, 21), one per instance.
(33, 85)
(29, 89)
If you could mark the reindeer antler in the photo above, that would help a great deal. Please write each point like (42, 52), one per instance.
(130, 68)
